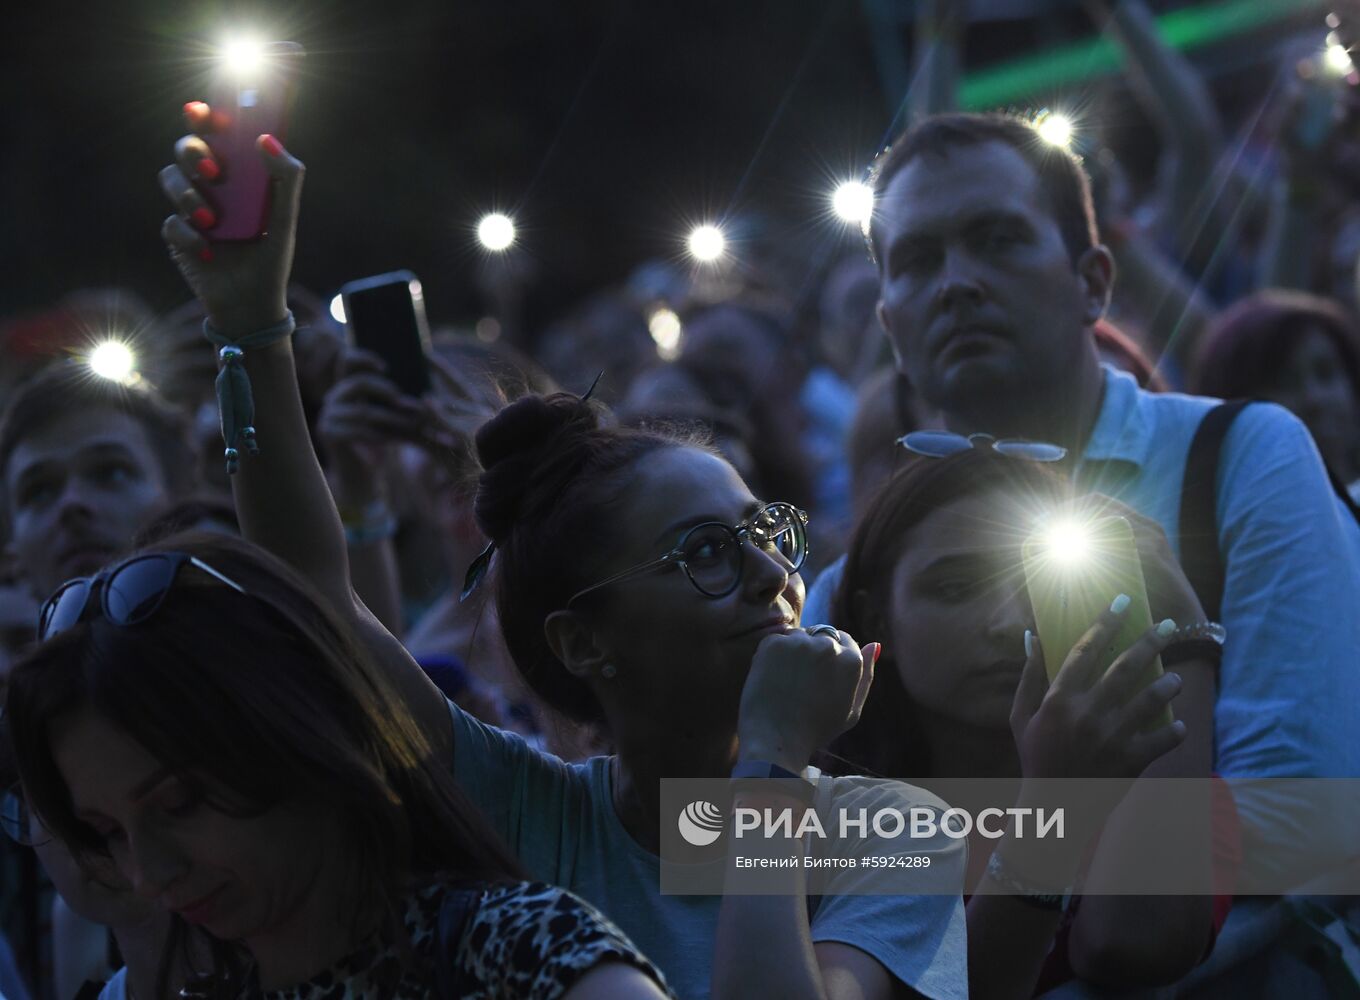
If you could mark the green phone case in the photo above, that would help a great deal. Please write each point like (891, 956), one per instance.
(1068, 595)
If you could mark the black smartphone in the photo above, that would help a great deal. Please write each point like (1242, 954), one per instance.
(385, 314)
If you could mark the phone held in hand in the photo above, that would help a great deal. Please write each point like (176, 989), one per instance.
(251, 94)
(1074, 570)
(385, 314)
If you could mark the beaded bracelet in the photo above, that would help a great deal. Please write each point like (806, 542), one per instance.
(1196, 641)
(1004, 877)
(235, 401)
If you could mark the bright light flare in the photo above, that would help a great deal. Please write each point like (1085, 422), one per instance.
(496, 231)
(1068, 541)
(113, 360)
(853, 201)
(338, 309)
(707, 243)
(1054, 129)
(1337, 59)
(666, 331)
(243, 55)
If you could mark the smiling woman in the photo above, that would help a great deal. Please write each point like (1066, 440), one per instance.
(199, 717)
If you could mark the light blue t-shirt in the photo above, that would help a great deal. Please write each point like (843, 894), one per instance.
(1289, 688)
(559, 820)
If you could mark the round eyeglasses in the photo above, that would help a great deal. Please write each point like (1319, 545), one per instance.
(942, 444)
(711, 553)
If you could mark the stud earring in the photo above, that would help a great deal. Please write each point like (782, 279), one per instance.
(609, 671)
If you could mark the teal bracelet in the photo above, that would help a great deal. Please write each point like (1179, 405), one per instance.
(235, 401)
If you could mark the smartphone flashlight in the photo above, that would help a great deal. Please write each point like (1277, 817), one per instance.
(242, 56)
(113, 360)
(706, 243)
(1068, 541)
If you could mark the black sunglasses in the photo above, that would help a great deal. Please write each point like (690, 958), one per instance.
(129, 592)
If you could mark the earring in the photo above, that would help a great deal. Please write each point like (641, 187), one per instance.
(609, 671)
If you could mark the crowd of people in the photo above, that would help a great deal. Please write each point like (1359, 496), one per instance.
(379, 700)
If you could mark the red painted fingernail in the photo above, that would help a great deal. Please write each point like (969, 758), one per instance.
(205, 254)
(195, 109)
(878, 651)
(271, 145)
(208, 169)
(203, 217)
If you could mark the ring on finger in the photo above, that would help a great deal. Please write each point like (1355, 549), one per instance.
(830, 630)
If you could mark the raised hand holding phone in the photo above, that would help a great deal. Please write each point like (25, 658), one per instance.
(251, 94)
(243, 286)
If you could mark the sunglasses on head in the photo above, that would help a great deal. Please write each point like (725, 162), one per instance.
(942, 444)
(128, 593)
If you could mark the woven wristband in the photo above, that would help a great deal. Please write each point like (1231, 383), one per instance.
(235, 401)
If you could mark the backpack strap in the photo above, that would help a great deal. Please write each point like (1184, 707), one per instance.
(460, 902)
(1200, 556)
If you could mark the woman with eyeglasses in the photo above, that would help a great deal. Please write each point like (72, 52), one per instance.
(637, 581)
(201, 718)
(935, 566)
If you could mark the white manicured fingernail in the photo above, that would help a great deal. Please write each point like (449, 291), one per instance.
(1121, 604)
(1029, 644)
(1165, 627)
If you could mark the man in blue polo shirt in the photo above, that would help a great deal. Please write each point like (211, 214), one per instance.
(992, 276)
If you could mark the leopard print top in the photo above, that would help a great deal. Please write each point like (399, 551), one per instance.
(525, 940)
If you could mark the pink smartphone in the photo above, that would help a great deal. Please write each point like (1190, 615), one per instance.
(249, 98)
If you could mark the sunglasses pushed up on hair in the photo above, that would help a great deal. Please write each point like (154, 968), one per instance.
(129, 593)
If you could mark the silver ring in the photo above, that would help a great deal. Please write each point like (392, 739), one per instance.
(830, 630)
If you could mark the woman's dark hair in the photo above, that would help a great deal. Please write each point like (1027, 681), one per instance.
(886, 741)
(255, 700)
(553, 475)
(190, 514)
(1254, 338)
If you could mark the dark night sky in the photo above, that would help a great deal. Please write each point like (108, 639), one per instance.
(604, 126)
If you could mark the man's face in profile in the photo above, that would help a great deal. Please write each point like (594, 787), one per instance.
(978, 292)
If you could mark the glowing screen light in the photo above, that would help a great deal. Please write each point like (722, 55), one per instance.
(496, 231)
(1068, 541)
(113, 360)
(707, 243)
(853, 202)
(1054, 129)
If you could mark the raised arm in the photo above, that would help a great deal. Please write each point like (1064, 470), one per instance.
(282, 499)
(1180, 105)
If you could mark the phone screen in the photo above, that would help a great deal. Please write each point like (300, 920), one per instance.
(386, 315)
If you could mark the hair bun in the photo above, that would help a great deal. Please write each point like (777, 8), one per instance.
(512, 448)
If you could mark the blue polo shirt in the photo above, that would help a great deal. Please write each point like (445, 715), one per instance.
(1289, 691)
